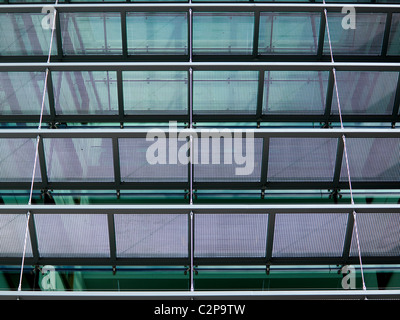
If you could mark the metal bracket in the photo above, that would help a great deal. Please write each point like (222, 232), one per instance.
(335, 195)
(326, 125)
(268, 269)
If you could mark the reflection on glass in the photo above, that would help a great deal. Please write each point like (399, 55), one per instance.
(300, 92)
(83, 92)
(365, 92)
(22, 93)
(16, 160)
(301, 159)
(372, 159)
(288, 33)
(86, 33)
(223, 33)
(365, 39)
(79, 159)
(394, 37)
(161, 92)
(23, 34)
(157, 33)
(225, 92)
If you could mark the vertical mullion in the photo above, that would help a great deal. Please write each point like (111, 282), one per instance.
(260, 94)
(256, 33)
(338, 163)
(270, 236)
(124, 35)
(120, 92)
(33, 238)
(116, 160)
(348, 238)
(111, 238)
(50, 95)
(386, 34)
(264, 159)
(321, 36)
(396, 104)
(42, 161)
(58, 33)
(329, 96)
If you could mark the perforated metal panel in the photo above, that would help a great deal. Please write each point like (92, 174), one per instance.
(228, 235)
(309, 235)
(151, 235)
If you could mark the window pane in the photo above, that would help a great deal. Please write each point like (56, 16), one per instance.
(17, 159)
(230, 235)
(372, 159)
(309, 235)
(227, 159)
(223, 33)
(160, 92)
(152, 161)
(23, 34)
(366, 38)
(301, 159)
(365, 92)
(157, 33)
(225, 92)
(151, 235)
(85, 92)
(379, 235)
(394, 38)
(91, 33)
(301, 92)
(72, 235)
(22, 93)
(79, 159)
(12, 235)
(288, 33)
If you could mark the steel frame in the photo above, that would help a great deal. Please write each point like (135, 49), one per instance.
(191, 211)
(262, 184)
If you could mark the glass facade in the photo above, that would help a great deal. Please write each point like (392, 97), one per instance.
(176, 141)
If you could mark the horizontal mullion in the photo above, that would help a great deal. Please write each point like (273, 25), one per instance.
(252, 7)
(203, 66)
(202, 209)
(199, 132)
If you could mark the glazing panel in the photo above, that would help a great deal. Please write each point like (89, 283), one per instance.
(225, 92)
(394, 37)
(288, 33)
(21, 93)
(230, 235)
(372, 159)
(365, 92)
(223, 33)
(86, 33)
(72, 235)
(83, 92)
(295, 92)
(17, 159)
(157, 33)
(309, 235)
(151, 235)
(301, 159)
(24, 34)
(365, 39)
(79, 159)
(155, 92)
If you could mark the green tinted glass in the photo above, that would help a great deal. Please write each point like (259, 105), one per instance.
(147, 92)
(87, 33)
(223, 33)
(157, 33)
(288, 33)
(295, 92)
(225, 92)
